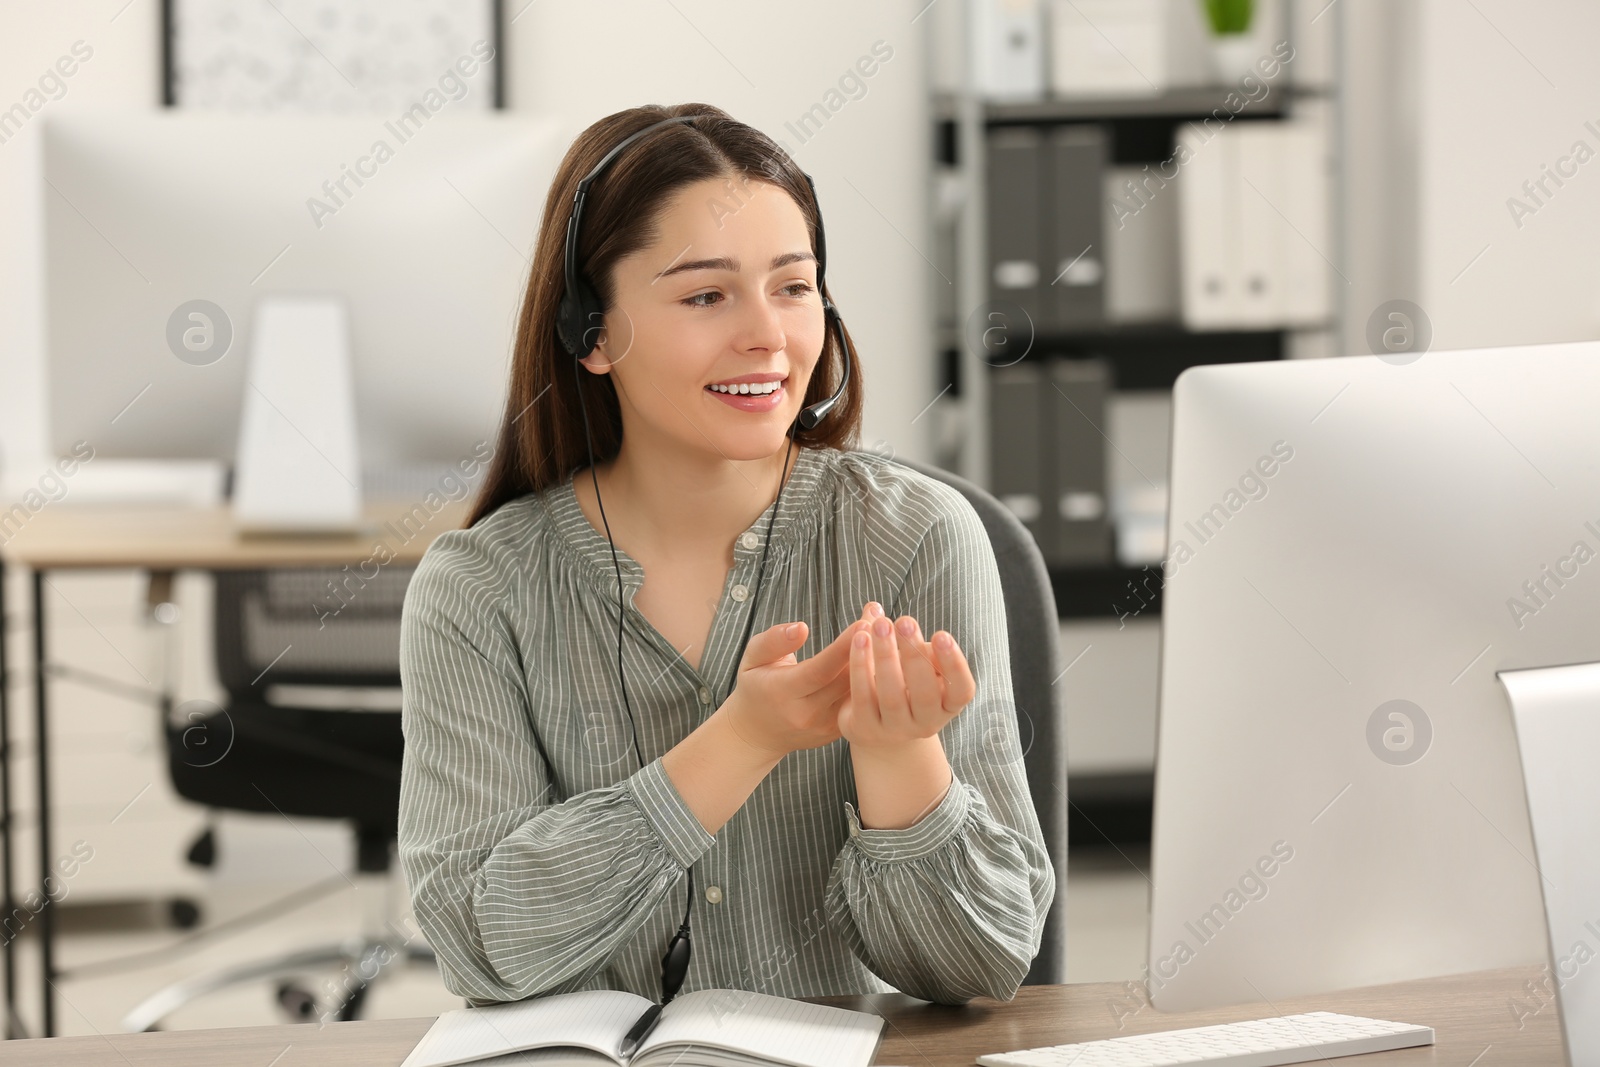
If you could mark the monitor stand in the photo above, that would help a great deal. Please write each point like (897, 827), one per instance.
(1557, 715)
(298, 469)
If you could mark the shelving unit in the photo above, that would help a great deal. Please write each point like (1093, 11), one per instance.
(1144, 355)
(1152, 355)
(1179, 104)
(1113, 802)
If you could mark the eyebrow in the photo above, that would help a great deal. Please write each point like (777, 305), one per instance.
(727, 263)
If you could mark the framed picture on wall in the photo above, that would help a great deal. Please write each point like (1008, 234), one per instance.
(332, 56)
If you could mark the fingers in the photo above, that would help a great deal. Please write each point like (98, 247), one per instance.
(923, 685)
(960, 687)
(836, 657)
(863, 701)
(764, 647)
(891, 683)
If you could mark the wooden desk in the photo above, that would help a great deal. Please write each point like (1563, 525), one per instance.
(161, 540)
(1470, 1015)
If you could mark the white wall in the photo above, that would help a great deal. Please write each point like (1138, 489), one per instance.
(1453, 106)
(1378, 191)
(766, 65)
(1507, 88)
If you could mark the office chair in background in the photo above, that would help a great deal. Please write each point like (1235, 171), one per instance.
(1034, 636)
(285, 627)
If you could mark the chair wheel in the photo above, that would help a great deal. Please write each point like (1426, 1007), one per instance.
(300, 1004)
(184, 913)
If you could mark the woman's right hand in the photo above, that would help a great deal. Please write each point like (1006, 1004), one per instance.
(779, 705)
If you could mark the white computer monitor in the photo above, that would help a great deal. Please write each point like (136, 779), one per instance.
(1355, 547)
(425, 240)
(1556, 711)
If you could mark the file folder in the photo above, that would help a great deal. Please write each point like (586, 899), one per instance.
(1308, 275)
(1077, 395)
(1209, 227)
(1016, 236)
(1047, 455)
(1074, 183)
(1006, 47)
(1018, 448)
(1126, 47)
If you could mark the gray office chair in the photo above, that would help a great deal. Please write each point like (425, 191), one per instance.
(1034, 632)
(337, 630)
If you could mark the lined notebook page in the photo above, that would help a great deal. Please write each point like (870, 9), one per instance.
(774, 1029)
(593, 1019)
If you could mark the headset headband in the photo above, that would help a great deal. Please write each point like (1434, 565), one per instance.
(579, 301)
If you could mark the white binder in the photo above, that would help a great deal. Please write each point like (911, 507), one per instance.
(1255, 235)
(1126, 47)
(1006, 41)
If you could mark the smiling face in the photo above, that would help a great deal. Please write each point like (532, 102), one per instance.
(727, 292)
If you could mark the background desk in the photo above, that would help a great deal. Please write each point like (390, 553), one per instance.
(161, 540)
(1470, 1015)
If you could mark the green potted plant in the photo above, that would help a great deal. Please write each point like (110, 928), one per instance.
(1232, 46)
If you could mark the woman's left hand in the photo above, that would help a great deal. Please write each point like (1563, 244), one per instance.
(903, 688)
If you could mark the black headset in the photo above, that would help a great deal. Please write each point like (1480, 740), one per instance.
(580, 306)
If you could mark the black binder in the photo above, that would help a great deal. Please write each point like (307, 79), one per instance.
(1074, 201)
(1077, 394)
(1018, 448)
(1047, 454)
(1017, 252)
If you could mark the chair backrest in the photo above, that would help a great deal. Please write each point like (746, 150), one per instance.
(1034, 635)
(308, 626)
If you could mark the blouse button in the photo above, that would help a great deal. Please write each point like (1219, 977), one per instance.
(705, 695)
(749, 540)
(714, 894)
(740, 592)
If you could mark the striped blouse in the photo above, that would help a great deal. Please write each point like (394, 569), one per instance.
(541, 858)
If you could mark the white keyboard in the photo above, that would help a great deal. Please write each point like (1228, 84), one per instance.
(1312, 1035)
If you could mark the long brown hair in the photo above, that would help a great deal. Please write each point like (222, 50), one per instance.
(541, 437)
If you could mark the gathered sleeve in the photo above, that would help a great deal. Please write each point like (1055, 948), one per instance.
(519, 892)
(954, 906)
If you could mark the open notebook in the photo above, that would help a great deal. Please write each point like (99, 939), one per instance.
(706, 1028)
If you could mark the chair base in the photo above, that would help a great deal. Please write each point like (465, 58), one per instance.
(365, 961)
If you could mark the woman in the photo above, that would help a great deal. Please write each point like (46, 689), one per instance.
(845, 819)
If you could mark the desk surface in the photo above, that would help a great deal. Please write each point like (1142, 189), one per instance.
(170, 538)
(1472, 1016)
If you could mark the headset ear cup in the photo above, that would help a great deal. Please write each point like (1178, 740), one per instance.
(567, 316)
(578, 320)
(590, 317)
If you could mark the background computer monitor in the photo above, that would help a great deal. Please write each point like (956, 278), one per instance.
(427, 241)
(1355, 547)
